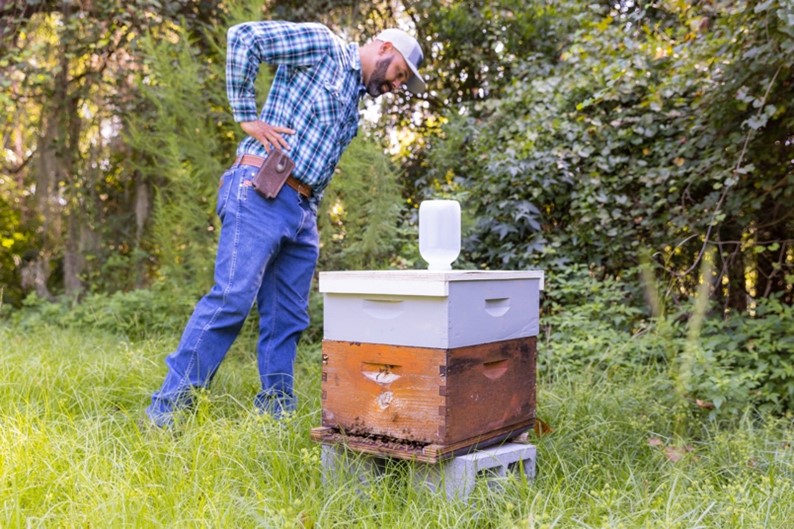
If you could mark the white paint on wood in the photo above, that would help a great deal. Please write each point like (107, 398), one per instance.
(430, 309)
(414, 282)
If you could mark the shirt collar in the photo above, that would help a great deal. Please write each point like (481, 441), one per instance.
(355, 64)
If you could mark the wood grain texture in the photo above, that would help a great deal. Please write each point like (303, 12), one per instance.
(426, 395)
(489, 387)
(383, 390)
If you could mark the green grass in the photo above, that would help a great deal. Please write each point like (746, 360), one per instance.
(72, 455)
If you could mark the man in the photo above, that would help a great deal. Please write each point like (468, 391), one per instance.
(268, 248)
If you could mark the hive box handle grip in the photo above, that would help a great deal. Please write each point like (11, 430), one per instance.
(383, 374)
(494, 370)
(497, 307)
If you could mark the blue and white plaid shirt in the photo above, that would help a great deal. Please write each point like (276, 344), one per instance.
(316, 92)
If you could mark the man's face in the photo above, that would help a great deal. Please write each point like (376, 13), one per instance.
(389, 73)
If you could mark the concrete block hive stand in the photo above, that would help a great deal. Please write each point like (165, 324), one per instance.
(455, 477)
(430, 366)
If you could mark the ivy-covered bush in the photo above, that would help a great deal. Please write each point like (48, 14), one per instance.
(754, 354)
(664, 127)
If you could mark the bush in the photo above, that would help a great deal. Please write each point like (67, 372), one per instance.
(136, 315)
(753, 353)
(586, 321)
(726, 367)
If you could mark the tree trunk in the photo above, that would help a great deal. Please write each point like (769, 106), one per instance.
(771, 264)
(735, 296)
(57, 193)
(35, 274)
(75, 195)
(76, 198)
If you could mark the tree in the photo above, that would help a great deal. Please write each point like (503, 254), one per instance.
(68, 67)
(668, 133)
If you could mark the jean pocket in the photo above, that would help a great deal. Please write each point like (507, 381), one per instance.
(246, 186)
(224, 190)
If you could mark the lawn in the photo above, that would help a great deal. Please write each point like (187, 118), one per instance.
(72, 453)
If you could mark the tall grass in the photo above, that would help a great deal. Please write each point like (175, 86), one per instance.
(72, 454)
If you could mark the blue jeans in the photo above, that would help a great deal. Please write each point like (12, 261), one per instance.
(267, 253)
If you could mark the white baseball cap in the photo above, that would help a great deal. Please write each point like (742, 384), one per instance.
(411, 52)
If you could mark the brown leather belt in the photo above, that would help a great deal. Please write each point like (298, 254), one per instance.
(257, 161)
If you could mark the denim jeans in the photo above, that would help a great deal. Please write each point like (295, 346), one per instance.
(267, 253)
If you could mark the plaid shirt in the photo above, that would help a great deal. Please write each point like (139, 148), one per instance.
(316, 92)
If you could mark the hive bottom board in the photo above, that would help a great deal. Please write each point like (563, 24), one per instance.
(426, 453)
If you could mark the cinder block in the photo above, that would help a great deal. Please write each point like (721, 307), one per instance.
(455, 477)
(336, 459)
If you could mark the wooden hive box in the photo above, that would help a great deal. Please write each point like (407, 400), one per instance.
(445, 398)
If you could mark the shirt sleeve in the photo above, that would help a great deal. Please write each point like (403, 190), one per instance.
(252, 43)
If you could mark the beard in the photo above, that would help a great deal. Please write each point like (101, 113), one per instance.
(378, 85)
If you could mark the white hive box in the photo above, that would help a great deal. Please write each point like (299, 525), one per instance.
(438, 309)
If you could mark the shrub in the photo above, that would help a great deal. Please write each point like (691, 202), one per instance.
(719, 369)
(136, 314)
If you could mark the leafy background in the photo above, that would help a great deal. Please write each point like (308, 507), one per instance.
(641, 153)
(638, 152)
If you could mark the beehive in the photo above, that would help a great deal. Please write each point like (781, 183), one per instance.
(438, 361)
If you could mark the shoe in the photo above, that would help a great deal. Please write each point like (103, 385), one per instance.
(279, 407)
(147, 423)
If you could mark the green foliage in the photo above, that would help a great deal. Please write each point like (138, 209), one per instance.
(479, 43)
(749, 358)
(360, 211)
(16, 242)
(646, 130)
(183, 152)
(135, 315)
(587, 322)
(473, 50)
(68, 71)
(716, 367)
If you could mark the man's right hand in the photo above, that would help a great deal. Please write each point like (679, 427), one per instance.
(268, 135)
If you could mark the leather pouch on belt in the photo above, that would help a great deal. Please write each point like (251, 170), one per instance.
(273, 173)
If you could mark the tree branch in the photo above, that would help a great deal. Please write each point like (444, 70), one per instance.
(725, 190)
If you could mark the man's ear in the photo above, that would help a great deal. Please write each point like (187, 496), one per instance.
(385, 48)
